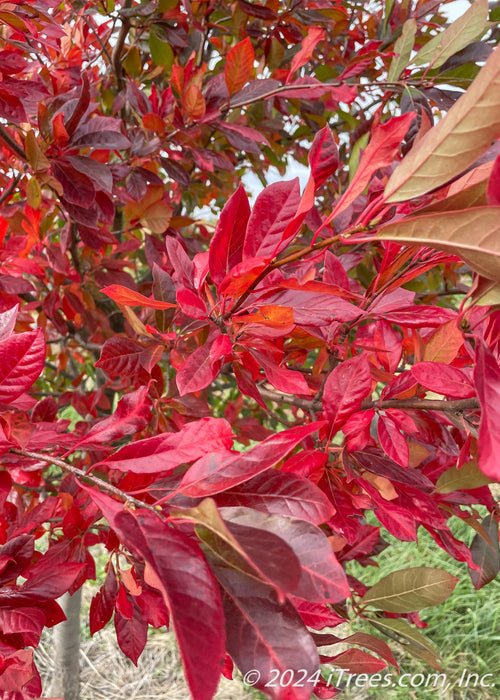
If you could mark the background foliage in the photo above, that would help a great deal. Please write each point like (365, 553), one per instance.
(238, 411)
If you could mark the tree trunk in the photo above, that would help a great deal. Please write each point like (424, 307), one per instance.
(66, 682)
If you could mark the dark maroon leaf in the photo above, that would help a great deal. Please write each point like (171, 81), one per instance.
(254, 90)
(265, 635)
(323, 578)
(281, 493)
(131, 633)
(112, 140)
(485, 554)
(182, 576)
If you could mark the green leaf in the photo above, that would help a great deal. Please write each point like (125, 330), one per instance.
(414, 642)
(473, 235)
(447, 149)
(409, 590)
(469, 476)
(464, 30)
(161, 51)
(389, 6)
(403, 47)
(133, 62)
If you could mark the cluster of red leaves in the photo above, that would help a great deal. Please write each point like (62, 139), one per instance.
(337, 361)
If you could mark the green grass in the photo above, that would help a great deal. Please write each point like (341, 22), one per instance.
(465, 628)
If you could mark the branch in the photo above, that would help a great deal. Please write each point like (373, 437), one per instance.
(120, 42)
(454, 406)
(13, 145)
(10, 189)
(103, 485)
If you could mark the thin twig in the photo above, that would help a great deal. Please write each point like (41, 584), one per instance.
(120, 42)
(103, 50)
(13, 145)
(10, 189)
(84, 475)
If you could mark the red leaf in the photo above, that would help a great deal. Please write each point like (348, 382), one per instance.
(323, 579)
(316, 615)
(493, 189)
(487, 383)
(266, 635)
(127, 297)
(28, 622)
(357, 661)
(282, 493)
(162, 453)
(241, 276)
(190, 591)
(324, 156)
(21, 362)
(226, 245)
(381, 151)
(314, 36)
(345, 388)
(374, 644)
(388, 344)
(132, 414)
(443, 379)
(11, 108)
(224, 470)
(191, 304)
(396, 519)
(131, 634)
(274, 208)
(391, 441)
(126, 357)
(313, 303)
(238, 68)
(8, 322)
(282, 378)
(201, 368)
